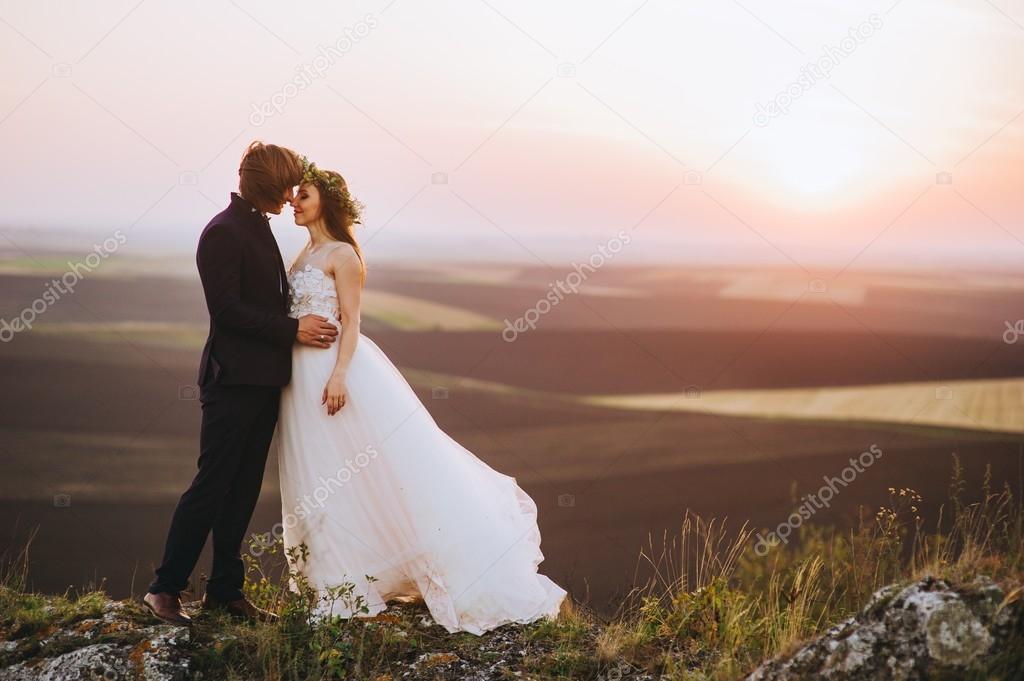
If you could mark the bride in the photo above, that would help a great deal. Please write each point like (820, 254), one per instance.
(382, 498)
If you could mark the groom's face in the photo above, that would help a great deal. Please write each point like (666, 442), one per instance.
(287, 197)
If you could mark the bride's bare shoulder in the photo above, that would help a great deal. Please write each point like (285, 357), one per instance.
(343, 258)
(341, 247)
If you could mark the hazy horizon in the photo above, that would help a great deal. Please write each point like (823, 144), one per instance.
(30, 243)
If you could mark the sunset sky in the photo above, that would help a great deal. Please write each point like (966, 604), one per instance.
(533, 131)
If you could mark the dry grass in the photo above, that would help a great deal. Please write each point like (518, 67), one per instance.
(712, 609)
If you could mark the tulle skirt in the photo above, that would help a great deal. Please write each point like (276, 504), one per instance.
(388, 505)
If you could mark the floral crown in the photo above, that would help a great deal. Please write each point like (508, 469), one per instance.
(332, 185)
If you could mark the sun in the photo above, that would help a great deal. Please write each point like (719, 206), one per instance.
(816, 162)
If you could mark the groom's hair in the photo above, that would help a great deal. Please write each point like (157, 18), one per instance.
(266, 172)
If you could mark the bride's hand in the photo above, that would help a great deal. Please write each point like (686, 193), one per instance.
(335, 395)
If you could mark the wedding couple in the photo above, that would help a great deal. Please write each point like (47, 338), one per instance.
(416, 515)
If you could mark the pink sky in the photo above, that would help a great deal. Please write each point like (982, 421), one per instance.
(556, 127)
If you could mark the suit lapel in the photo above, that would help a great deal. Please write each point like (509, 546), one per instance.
(284, 277)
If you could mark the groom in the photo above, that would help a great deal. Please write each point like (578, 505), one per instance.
(246, 360)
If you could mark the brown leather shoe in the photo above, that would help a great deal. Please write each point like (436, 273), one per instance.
(239, 608)
(167, 606)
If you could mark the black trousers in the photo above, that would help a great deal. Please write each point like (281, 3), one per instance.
(238, 425)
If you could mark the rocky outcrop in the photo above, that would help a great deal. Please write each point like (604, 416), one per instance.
(126, 643)
(110, 647)
(927, 630)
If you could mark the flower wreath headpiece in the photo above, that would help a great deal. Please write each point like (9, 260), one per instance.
(331, 185)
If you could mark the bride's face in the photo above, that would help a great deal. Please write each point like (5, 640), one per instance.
(306, 204)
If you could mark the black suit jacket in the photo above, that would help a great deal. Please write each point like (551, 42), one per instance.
(246, 289)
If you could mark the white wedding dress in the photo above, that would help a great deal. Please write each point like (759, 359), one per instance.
(380, 490)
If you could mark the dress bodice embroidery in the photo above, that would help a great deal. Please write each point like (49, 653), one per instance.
(312, 292)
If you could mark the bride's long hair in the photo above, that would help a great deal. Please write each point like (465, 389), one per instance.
(340, 213)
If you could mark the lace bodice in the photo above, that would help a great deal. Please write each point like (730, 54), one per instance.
(312, 292)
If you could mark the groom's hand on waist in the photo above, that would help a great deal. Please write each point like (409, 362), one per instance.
(316, 331)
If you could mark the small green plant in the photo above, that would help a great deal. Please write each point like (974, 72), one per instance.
(318, 633)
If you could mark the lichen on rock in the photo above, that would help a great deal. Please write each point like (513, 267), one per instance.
(918, 631)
